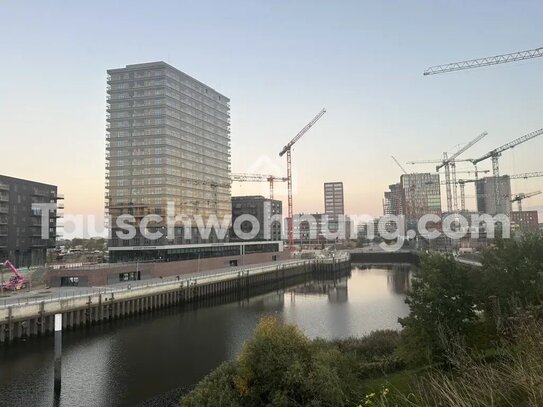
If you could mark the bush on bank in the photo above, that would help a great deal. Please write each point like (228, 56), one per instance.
(280, 366)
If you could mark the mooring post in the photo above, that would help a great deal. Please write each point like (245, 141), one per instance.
(58, 353)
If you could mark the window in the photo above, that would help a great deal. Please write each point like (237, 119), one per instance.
(69, 281)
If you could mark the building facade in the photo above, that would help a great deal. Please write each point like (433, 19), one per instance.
(21, 239)
(393, 201)
(320, 228)
(494, 195)
(421, 194)
(333, 198)
(525, 221)
(268, 214)
(168, 146)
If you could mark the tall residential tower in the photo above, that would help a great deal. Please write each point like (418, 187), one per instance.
(333, 198)
(168, 142)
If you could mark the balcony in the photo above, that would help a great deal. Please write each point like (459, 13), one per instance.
(35, 222)
(4, 197)
(4, 187)
(35, 242)
(4, 209)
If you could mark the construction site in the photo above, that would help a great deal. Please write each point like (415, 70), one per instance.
(420, 193)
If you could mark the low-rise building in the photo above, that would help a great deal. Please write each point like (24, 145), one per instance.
(526, 221)
(267, 212)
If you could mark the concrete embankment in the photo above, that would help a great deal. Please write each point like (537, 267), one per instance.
(31, 317)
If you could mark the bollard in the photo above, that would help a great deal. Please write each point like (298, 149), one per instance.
(58, 353)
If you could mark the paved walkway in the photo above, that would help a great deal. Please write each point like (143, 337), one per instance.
(53, 293)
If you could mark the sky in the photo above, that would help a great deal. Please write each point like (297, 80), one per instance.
(279, 62)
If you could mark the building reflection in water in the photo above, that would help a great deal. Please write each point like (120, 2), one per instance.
(336, 290)
(398, 276)
(399, 279)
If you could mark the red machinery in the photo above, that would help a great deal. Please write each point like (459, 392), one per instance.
(17, 282)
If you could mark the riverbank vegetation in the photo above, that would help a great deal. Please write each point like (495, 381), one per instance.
(473, 337)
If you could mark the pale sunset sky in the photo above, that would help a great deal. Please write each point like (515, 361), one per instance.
(280, 62)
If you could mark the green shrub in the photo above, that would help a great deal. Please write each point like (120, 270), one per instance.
(280, 366)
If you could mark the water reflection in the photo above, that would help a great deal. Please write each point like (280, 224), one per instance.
(157, 356)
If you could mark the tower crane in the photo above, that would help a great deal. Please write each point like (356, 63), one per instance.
(259, 178)
(520, 197)
(399, 165)
(477, 63)
(449, 164)
(480, 62)
(288, 150)
(497, 152)
(450, 167)
(462, 183)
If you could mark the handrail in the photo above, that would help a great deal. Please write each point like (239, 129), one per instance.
(195, 278)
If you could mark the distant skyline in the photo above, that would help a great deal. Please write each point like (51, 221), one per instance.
(279, 63)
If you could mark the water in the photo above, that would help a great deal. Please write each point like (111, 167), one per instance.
(151, 359)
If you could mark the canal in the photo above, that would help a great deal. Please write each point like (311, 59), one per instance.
(151, 359)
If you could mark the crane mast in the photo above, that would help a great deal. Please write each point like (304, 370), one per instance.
(288, 150)
(496, 153)
(520, 197)
(449, 165)
(480, 62)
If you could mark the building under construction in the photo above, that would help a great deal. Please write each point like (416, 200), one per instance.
(494, 195)
(421, 195)
(393, 202)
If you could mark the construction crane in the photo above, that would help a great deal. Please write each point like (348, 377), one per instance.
(478, 63)
(520, 197)
(288, 150)
(463, 182)
(497, 152)
(399, 165)
(449, 165)
(259, 178)
(450, 170)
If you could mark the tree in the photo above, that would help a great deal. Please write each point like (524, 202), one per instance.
(278, 367)
(441, 305)
(511, 276)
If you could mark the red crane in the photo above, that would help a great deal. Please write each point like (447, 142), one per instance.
(16, 282)
(287, 150)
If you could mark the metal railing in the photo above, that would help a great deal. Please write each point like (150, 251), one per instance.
(186, 280)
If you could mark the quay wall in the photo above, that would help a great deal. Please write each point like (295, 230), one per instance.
(35, 317)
